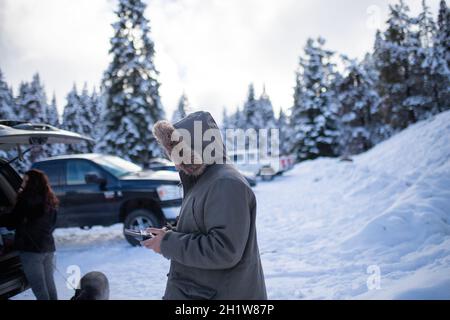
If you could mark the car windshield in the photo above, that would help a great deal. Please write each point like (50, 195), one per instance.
(117, 166)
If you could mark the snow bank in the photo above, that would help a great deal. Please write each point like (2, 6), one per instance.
(389, 209)
(418, 158)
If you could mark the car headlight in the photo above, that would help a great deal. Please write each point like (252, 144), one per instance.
(169, 192)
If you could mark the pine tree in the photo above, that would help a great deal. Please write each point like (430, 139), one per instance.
(23, 165)
(439, 61)
(6, 100)
(87, 117)
(181, 111)
(22, 92)
(257, 114)
(96, 115)
(379, 129)
(282, 125)
(32, 101)
(20, 99)
(392, 55)
(225, 119)
(313, 118)
(358, 107)
(297, 117)
(420, 48)
(227, 123)
(80, 116)
(32, 106)
(265, 107)
(443, 36)
(71, 118)
(131, 89)
(52, 113)
(53, 120)
(253, 119)
(238, 120)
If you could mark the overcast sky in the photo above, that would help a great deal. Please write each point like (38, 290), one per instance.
(210, 49)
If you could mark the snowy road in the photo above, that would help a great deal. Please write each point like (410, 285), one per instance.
(326, 229)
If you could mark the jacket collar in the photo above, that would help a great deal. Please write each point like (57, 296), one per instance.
(189, 181)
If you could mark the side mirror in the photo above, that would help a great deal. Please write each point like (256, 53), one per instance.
(94, 178)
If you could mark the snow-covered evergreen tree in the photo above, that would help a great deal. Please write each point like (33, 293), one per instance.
(358, 107)
(227, 122)
(80, 116)
(439, 61)
(182, 108)
(32, 101)
(53, 120)
(52, 113)
(71, 117)
(96, 116)
(257, 113)
(420, 47)
(6, 100)
(313, 117)
(282, 124)
(21, 99)
(253, 118)
(443, 24)
(225, 119)
(265, 107)
(379, 129)
(238, 120)
(32, 106)
(131, 88)
(392, 54)
(88, 117)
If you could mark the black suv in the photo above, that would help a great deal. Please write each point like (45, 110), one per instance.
(19, 134)
(96, 189)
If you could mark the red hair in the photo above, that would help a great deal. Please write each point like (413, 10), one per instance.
(38, 191)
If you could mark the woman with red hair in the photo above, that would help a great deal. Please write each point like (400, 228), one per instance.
(34, 219)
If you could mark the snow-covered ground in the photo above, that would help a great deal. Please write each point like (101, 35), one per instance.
(326, 230)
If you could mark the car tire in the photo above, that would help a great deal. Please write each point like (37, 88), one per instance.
(140, 219)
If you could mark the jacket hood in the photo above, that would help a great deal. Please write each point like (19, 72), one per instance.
(192, 143)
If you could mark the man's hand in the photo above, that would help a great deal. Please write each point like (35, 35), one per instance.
(155, 242)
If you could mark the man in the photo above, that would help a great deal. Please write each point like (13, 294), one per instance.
(213, 250)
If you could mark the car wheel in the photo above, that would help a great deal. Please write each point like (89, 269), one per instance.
(140, 219)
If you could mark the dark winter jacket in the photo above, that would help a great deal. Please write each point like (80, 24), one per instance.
(213, 250)
(34, 227)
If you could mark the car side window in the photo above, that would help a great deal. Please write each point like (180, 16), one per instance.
(53, 172)
(77, 170)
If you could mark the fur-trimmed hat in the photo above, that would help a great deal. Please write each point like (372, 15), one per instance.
(171, 136)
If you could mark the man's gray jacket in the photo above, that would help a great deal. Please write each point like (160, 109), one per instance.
(213, 250)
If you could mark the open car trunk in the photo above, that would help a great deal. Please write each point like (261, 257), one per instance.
(20, 134)
(12, 279)
(27, 134)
